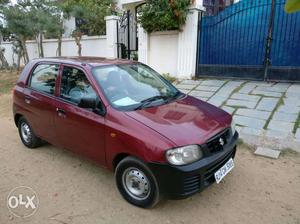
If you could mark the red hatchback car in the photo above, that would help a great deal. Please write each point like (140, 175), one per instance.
(126, 117)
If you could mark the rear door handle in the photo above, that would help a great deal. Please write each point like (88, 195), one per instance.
(27, 100)
(61, 112)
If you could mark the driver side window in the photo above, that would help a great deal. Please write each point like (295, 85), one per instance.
(75, 85)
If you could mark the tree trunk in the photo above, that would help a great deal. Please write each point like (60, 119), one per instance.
(3, 60)
(59, 46)
(38, 45)
(79, 49)
(19, 61)
(77, 35)
(41, 45)
(77, 40)
(25, 52)
(39, 41)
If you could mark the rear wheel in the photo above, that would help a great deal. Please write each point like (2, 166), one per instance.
(136, 183)
(27, 135)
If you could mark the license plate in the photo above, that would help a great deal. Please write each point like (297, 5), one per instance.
(224, 170)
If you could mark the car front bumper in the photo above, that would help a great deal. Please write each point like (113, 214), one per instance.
(178, 182)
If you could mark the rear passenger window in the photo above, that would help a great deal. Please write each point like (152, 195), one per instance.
(44, 77)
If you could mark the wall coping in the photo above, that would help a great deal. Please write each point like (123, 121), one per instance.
(66, 39)
(112, 17)
(197, 8)
(168, 32)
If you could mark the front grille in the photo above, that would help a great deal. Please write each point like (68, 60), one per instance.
(216, 143)
(191, 184)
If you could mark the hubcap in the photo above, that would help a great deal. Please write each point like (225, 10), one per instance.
(25, 132)
(136, 183)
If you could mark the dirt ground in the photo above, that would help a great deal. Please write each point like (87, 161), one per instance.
(74, 190)
(7, 80)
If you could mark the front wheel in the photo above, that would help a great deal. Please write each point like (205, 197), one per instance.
(136, 183)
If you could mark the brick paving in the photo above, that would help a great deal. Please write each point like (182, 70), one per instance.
(258, 108)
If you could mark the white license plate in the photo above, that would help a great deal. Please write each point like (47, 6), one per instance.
(224, 170)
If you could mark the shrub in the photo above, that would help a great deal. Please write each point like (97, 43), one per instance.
(168, 77)
(162, 15)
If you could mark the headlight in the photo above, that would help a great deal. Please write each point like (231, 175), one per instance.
(184, 155)
(233, 127)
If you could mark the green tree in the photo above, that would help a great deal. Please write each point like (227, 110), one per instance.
(33, 19)
(91, 12)
(3, 4)
(55, 30)
(19, 22)
(45, 15)
(54, 25)
(91, 15)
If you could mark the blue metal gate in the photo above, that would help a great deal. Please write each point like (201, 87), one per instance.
(252, 39)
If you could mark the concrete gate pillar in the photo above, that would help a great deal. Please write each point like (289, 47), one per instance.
(187, 43)
(111, 36)
(143, 45)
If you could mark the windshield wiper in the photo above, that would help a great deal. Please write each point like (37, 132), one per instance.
(147, 102)
(177, 95)
(173, 97)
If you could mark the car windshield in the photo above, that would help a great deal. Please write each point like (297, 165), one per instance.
(134, 86)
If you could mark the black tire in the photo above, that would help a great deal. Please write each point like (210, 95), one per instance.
(153, 195)
(32, 141)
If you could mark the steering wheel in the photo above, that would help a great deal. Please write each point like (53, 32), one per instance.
(118, 94)
(75, 94)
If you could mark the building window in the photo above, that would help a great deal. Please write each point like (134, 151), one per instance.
(213, 7)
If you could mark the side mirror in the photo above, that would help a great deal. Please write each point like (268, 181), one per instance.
(88, 103)
(91, 103)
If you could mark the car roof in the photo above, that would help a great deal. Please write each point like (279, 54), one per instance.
(91, 61)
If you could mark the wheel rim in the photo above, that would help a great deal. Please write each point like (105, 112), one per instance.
(25, 132)
(136, 183)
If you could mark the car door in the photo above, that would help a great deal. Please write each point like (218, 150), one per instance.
(39, 107)
(79, 130)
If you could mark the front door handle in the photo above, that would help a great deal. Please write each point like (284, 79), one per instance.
(61, 112)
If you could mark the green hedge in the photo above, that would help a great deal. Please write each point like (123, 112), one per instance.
(162, 15)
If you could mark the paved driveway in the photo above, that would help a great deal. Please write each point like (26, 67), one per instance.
(267, 110)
